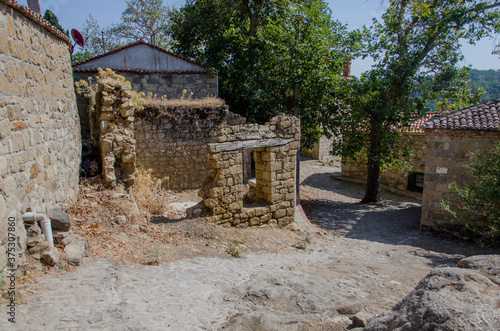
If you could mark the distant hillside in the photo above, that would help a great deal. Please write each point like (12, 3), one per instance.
(489, 80)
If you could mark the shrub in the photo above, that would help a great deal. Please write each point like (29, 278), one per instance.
(148, 193)
(477, 209)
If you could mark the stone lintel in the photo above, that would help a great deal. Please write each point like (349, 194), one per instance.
(237, 145)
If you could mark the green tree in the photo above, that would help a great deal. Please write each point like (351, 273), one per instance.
(52, 18)
(144, 19)
(272, 56)
(98, 40)
(416, 39)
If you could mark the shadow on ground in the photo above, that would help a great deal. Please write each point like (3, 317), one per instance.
(394, 221)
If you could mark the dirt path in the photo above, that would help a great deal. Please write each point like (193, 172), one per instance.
(371, 256)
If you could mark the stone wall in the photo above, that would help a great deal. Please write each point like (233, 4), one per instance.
(171, 85)
(39, 130)
(172, 141)
(271, 198)
(321, 151)
(446, 161)
(395, 178)
(112, 125)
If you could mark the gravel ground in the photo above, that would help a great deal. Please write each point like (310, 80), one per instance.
(369, 258)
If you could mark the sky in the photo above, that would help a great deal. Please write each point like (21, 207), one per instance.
(355, 13)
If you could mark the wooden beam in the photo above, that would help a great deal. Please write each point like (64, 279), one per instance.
(237, 145)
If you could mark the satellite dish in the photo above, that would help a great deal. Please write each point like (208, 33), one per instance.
(77, 37)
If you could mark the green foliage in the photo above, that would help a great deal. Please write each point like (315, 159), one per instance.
(235, 250)
(142, 19)
(154, 256)
(478, 207)
(147, 19)
(272, 56)
(414, 41)
(489, 80)
(52, 18)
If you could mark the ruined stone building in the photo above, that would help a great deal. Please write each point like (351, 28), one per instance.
(148, 68)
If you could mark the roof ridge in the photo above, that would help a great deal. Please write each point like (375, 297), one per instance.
(140, 42)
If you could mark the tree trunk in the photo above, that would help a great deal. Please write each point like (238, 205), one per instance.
(372, 193)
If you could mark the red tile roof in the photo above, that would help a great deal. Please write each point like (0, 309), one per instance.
(481, 117)
(417, 126)
(140, 42)
(38, 19)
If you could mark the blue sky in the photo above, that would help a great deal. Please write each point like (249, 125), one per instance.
(356, 13)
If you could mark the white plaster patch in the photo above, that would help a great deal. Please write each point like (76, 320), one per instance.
(441, 170)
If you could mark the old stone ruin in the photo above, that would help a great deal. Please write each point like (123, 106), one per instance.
(203, 147)
(270, 199)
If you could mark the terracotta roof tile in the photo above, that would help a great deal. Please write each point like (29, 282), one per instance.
(416, 126)
(38, 19)
(140, 42)
(481, 117)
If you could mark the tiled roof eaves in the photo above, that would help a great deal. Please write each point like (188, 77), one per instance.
(140, 42)
(38, 19)
(481, 117)
(145, 72)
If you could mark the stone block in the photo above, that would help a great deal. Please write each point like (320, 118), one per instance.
(51, 257)
(75, 252)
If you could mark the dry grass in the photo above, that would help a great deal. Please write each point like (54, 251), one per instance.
(148, 193)
(158, 102)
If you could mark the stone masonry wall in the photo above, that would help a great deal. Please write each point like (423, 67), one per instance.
(275, 146)
(172, 141)
(446, 161)
(391, 177)
(171, 85)
(321, 151)
(112, 125)
(39, 130)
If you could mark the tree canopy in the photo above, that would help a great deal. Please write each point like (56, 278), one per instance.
(142, 19)
(415, 40)
(272, 56)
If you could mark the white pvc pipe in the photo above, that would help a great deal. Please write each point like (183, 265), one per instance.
(44, 223)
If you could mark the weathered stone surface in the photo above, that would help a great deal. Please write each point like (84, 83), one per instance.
(75, 252)
(446, 299)
(42, 246)
(59, 219)
(51, 257)
(361, 319)
(350, 308)
(488, 265)
(121, 219)
(39, 132)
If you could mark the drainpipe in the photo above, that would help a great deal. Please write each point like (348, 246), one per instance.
(44, 222)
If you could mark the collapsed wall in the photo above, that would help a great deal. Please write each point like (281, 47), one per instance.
(271, 197)
(172, 140)
(39, 130)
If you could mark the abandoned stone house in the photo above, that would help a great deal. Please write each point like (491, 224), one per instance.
(148, 68)
(450, 138)
(40, 143)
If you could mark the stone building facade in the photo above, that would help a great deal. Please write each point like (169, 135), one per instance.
(450, 140)
(172, 141)
(321, 151)
(149, 69)
(271, 198)
(39, 131)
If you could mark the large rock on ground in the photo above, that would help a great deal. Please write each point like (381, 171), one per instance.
(75, 252)
(446, 299)
(488, 265)
(59, 219)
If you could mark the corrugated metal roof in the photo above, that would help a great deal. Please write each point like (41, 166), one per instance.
(140, 42)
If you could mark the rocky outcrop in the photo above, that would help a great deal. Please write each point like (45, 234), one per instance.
(450, 299)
